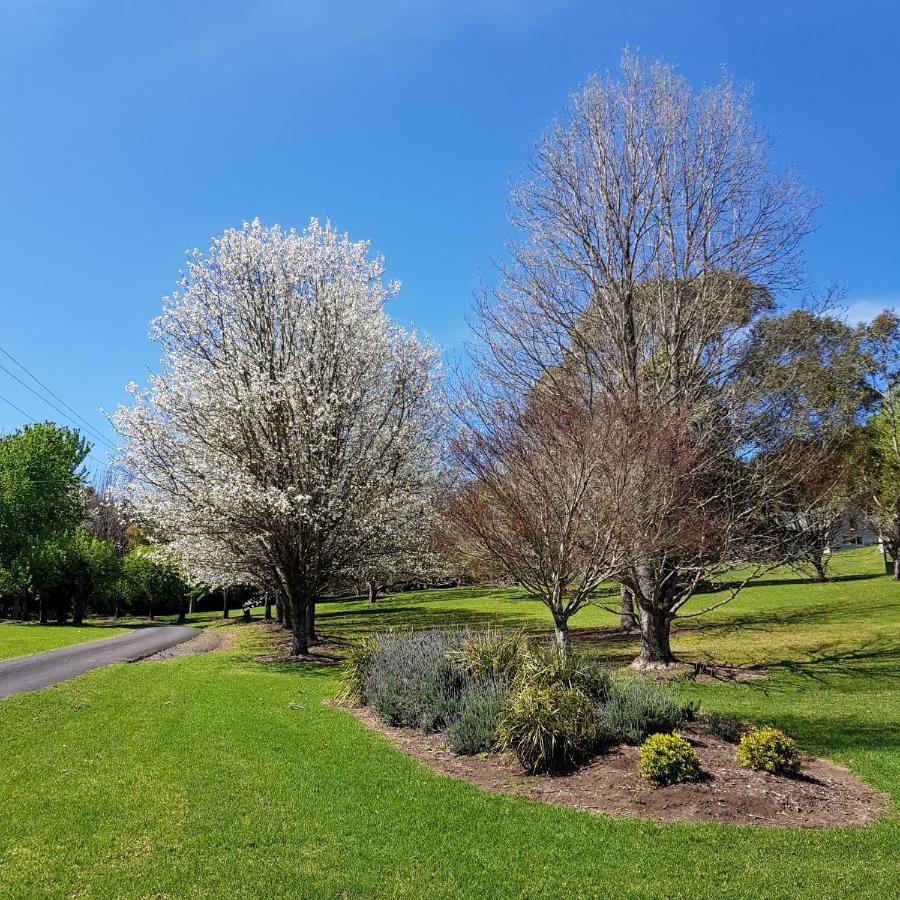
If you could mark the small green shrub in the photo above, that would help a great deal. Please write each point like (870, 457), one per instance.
(355, 670)
(668, 759)
(769, 750)
(475, 731)
(493, 653)
(726, 728)
(637, 709)
(550, 728)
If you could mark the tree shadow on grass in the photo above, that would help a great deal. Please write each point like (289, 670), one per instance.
(794, 580)
(875, 659)
(768, 618)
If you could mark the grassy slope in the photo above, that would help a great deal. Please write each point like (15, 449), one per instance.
(222, 776)
(22, 639)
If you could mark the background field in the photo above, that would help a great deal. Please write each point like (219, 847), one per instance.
(224, 775)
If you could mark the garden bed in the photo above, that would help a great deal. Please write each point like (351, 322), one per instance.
(825, 795)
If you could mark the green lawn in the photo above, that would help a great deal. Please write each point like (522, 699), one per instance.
(222, 776)
(21, 639)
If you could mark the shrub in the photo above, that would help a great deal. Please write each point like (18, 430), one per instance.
(546, 666)
(493, 653)
(637, 709)
(726, 728)
(551, 727)
(475, 731)
(769, 750)
(355, 670)
(413, 681)
(668, 759)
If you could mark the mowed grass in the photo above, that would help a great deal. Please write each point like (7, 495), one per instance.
(24, 638)
(225, 776)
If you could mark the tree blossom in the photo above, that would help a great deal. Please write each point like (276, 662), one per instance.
(292, 423)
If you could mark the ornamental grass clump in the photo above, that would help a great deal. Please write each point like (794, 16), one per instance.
(769, 750)
(550, 727)
(412, 679)
(355, 671)
(668, 759)
(492, 653)
(553, 718)
(637, 709)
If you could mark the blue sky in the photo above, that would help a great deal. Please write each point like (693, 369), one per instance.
(134, 131)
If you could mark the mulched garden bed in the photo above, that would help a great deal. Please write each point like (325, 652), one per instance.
(825, 795)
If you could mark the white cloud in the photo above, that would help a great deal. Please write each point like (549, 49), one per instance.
(864, 309)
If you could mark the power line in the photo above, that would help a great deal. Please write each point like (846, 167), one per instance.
(18, 409)
(99, 465)
(28, 387)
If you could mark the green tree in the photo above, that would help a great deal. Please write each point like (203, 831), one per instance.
(41, 490)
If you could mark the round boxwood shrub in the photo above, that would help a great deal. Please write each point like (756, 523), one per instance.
(551, 728)
(769, 750)
(668, 759)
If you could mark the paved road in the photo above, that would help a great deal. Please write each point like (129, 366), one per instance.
(31, 673)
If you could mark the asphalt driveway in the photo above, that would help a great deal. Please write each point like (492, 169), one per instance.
(31, 673)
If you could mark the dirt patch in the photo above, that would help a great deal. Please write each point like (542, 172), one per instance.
(206, 641)
(323, 651)
(825, 796)
(707, 673)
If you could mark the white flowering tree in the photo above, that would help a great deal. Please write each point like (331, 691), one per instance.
(291, 422)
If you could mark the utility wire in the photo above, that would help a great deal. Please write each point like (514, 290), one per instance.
(64, 414)
(31, 374)
(98, 464)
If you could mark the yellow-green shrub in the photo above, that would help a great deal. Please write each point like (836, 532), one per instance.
(668, 759)
(769, 750)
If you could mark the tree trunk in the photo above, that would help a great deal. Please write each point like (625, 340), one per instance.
(627, 618)
(17, 607)
(78, 611)
(191, 602)
(279, 610)
(818, 563)
(42, 610)
(310, 618)
(655, 649)
(268, 611)
(225, 607)
(897, 568)
(182, 613)
(300, 643)
(373, 591)
(288, 615)
(563, 638)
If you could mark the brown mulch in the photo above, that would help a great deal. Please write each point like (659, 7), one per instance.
(321, 652)
(826, 795)
(707, 673)
(206, 641)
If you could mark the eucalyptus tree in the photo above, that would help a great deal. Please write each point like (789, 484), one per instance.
(654, 234)
(882, 343)
(291, 419)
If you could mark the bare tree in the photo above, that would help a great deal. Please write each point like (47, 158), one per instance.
(536, 498)
(655, 235)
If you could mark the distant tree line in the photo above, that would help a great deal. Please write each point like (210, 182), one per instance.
(67, 548)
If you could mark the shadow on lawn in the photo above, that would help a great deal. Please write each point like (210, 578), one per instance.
(767, 618)
(876, 659)
(794, 580)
